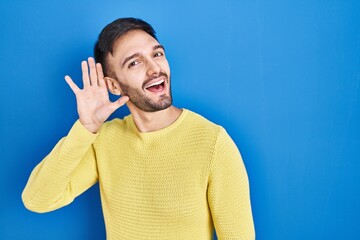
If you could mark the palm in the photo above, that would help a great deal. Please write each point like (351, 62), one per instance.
(93, 103)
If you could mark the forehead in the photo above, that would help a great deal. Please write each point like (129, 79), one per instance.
(135, 41)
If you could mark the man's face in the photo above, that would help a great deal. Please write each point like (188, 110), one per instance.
(142, 70)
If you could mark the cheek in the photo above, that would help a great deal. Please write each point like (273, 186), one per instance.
(123, 76)
(132, 78)
(119, 75)
(166, 67)
(137, 76)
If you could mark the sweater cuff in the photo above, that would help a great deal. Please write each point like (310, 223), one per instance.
(79, 133)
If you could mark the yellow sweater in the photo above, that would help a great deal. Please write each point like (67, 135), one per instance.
(176, 183)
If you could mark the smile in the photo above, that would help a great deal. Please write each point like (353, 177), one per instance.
(157, 86)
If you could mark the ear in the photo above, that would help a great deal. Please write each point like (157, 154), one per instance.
(113, 85)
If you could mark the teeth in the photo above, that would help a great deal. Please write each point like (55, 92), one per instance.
(155, 83)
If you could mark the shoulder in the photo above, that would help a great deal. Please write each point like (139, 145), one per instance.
(195, 120)
(116, 127)
(202, 123)
(200, 127)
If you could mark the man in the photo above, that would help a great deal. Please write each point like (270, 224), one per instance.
(163, 172)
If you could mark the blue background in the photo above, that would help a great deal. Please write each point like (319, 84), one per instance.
(283, 77)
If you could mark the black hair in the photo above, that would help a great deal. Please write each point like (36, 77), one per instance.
(112, 32)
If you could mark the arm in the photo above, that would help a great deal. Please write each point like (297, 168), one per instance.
(70, 168)
(228, 192)
(64, 174)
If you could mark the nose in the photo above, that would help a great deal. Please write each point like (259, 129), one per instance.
(153, 68)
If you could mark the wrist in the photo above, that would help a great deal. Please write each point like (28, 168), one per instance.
(93, 128)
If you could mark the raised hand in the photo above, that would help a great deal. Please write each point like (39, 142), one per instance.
(93, 104)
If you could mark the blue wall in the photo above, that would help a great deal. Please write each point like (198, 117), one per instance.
(283, 77)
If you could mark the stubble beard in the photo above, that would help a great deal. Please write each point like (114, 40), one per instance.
(143, 102)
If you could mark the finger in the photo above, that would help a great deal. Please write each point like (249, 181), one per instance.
(72, 85)
(85, 74)
(100, 75)
(120, 102)
(93, 74)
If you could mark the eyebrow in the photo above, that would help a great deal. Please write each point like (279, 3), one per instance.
(159, 46)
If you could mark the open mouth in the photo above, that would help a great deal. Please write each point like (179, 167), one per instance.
(157, 86)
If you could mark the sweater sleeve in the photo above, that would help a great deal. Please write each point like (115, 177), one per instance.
(228, 192)
(65, 173)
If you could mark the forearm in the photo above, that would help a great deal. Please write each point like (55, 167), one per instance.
(49, 185)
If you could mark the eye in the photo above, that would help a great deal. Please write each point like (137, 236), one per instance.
(158, 54)
(132, 64)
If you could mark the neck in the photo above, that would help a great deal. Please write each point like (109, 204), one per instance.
(153, 121)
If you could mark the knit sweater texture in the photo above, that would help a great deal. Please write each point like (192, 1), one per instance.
(175, 183)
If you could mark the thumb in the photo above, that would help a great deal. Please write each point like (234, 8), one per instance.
(120, 102)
